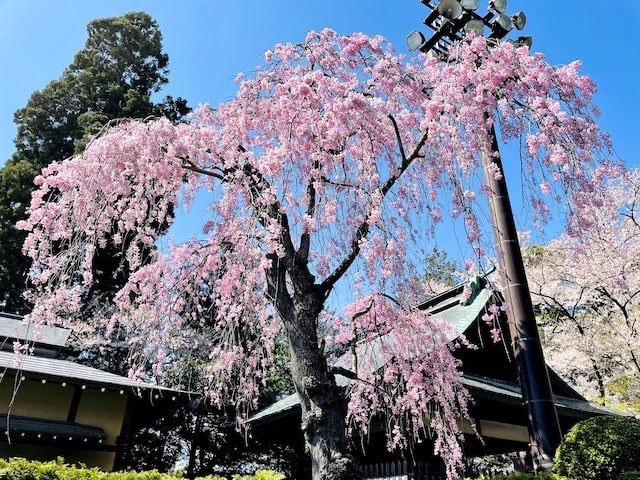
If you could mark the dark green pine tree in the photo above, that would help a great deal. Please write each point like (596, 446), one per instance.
(121, 65)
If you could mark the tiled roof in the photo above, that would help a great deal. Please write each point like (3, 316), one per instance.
(459, 311)
(18, 426)
(451, 307)
(14, 328)
(476, 384)
(52, 369)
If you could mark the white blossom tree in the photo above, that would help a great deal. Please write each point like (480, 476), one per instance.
(588, 291)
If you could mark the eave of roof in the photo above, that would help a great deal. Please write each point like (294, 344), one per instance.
(15, 328)
(52, 369)
(17, 427)
(508, 392)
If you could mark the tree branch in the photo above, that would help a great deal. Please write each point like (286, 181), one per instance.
(189, 165)
(363, 229)
(302, 256)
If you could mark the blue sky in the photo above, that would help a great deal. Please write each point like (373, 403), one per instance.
(210, 41)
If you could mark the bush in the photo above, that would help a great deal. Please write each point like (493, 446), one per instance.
(262, 475)
(21, 469)
(529, 476)
(600, 448)
(633, 475)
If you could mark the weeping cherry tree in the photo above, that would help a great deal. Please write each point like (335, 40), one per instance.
(326, 173)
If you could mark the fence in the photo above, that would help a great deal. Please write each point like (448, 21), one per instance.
(402, 470)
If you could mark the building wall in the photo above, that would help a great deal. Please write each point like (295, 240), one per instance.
(31, 398)
(52, 401)
(103, 409)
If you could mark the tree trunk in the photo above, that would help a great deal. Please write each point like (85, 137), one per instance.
(323, 412)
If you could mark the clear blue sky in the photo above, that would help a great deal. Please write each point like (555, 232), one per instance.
(210, 41)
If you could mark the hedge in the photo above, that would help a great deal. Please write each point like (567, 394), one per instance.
(600, 448)
(530, 476)
(633, 475)
(22, 469)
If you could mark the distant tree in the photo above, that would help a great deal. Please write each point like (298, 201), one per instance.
(588, 294)
(315, 171)
(113, 76)
(16, 185)
(440, 272)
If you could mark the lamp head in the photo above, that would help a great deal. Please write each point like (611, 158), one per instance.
(519, 20)
(470, 4)
(450, 9)
(526, 41)
(504, 23)
(499, 6)
(476, 26)
(415, 40)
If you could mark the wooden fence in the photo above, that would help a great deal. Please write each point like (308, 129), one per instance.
(402, 470)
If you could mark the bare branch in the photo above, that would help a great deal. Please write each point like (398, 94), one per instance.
(189, 165)
(363, 229)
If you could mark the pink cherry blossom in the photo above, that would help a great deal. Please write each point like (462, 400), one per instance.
(316, 172)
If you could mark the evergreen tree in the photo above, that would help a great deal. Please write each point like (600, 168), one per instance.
(121, 65)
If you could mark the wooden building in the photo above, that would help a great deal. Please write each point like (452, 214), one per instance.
(51, 407)
(489, 373)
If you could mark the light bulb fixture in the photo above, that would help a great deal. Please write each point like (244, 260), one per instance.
(500, 27)
(471, 5)
(415, 40)
(519, 20)
(526, 41)
(450, 20)
(476, 26)
(499, 6)
(450, 9)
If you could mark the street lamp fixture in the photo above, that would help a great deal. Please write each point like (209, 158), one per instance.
(519, 20)
(501, 26)
(450, 9)
(499, 6)
(451, 20)
(415, 40)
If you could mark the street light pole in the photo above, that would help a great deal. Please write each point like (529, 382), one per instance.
(448, 19)
(542, 418)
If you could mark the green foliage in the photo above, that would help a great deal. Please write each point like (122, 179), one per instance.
(121, 65)
(533, 253)
(16, 183)
(632, 475)
(530, 476)
(439, 270)
(625, 392)
(21, 469)
(279, 382)
(261, 475)
(600, 448)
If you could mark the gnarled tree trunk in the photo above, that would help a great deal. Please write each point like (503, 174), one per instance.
(323, 411)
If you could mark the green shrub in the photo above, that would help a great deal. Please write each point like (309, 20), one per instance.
(631, 475)
(21, 469)
(600, 448)
(529, 476)
(261, 475)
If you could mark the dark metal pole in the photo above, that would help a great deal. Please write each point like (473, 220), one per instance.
(542, 418)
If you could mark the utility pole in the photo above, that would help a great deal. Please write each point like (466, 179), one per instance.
(449, 20)
(542, 421)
